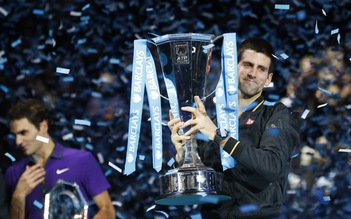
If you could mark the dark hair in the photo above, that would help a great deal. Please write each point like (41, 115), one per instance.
(257, 44)
(33, 110)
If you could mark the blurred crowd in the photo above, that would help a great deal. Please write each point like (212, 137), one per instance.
(321, 96)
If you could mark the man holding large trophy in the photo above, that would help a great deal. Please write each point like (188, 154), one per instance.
(234, 166)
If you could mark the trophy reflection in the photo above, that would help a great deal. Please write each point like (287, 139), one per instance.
(185, 62)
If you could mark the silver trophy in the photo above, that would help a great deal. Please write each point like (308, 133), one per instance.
(65, 200)
(185, 62)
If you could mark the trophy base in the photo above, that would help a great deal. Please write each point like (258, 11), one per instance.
(190, 186)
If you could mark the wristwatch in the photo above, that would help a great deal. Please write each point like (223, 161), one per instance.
(221, 134)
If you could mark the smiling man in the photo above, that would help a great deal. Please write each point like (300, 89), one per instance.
(267, 137)
(28, 180)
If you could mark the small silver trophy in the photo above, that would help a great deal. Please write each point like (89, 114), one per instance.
(185, 62)
(65, 200)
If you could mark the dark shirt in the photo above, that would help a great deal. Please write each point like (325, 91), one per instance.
(268, 136)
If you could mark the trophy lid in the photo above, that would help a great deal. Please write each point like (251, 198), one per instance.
(183, 36)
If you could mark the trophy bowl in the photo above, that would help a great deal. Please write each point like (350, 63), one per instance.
(185, 62)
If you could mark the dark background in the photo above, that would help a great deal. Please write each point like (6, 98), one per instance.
(96, 43)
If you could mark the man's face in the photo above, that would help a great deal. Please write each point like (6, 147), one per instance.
(253, 74)
(26, 133)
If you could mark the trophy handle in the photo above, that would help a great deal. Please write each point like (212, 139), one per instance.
(151, 42)
(210, 93)
(154, 44)
(217, 38)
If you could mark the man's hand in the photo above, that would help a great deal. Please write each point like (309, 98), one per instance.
(32, 176)
(30, 179)
(200, 121)
(177, 139)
